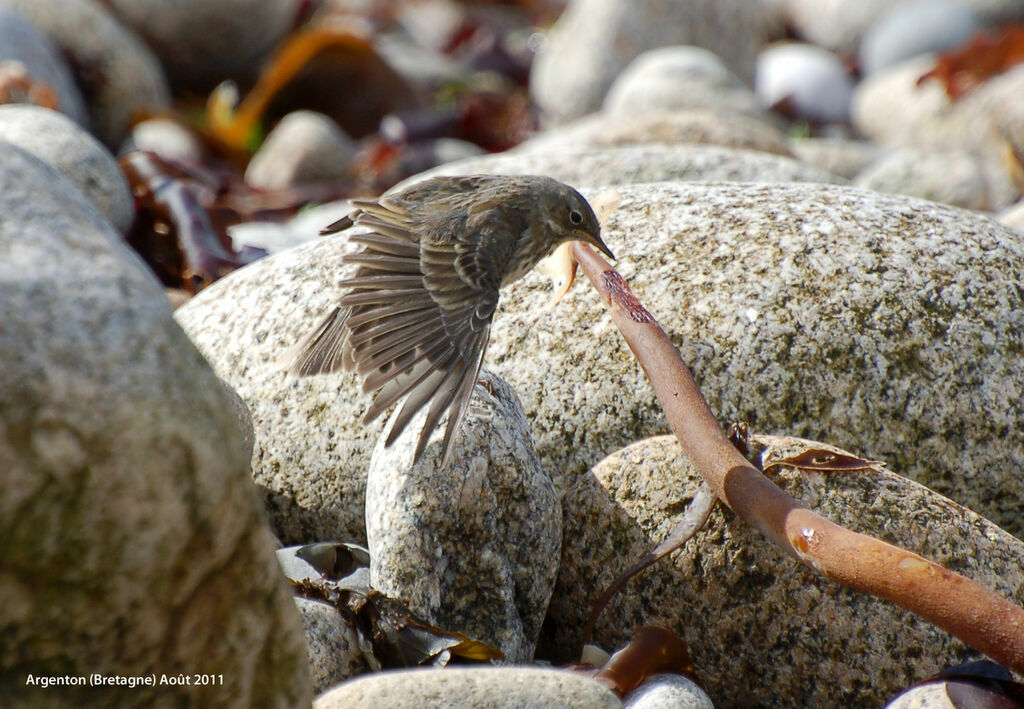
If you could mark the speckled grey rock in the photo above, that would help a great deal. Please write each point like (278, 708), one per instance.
(63, 144)
(120, 75)
(742, 603)
(666, 691)
(889, 323)
(809, 81)
(1013, 216)
(594, 40)
(914, 28)
(702, 126)
(200, 43)
(332, 644)
(679, 77)
(648, 162)
(476, 688)
(311, 452)
(304, 146)
(840, 156)
(123, 477)
(951, 177)
(20, 42)
(473, 546)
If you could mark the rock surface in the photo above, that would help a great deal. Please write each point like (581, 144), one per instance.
(647, 162)
(741, 603)
(201, 43)
(123, 477)
(810, 83)
(840, 156)
(957, 178)
(493, 687)
(65, 146)
(21, 42)
(703, 126)
(332, 645)
(304, 146)
(123, 76)
(914, 28)
(679, 77)
(311, 452)
(667, 692)
(474, 545)
(594, 40)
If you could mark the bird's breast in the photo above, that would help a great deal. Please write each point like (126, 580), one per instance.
(530, 250)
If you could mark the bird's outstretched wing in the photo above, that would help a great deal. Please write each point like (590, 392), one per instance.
(410, 324)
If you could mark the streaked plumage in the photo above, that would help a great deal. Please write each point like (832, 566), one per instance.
(417, 316)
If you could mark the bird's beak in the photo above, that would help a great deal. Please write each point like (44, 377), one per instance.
(595, 240)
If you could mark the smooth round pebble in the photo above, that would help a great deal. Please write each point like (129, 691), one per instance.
(65, 145)
(810, 81)
(303, 147)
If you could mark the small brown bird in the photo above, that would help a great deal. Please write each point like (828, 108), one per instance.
(416, 320)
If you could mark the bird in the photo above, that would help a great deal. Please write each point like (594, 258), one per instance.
(416, 317)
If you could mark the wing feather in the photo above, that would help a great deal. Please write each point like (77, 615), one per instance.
(416, 318)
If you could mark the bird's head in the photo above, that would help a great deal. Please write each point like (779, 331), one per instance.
(571, 218)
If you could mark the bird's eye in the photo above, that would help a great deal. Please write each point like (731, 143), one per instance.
(575, 218)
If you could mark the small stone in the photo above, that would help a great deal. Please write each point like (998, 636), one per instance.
(807, 81)
(165, 137)
(303, 147)
(666, 691)
(66, 146)
(679, 77)
(332, 643)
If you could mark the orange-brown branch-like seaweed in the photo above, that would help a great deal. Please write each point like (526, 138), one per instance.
(958, 605)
